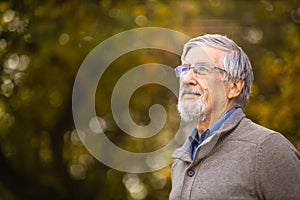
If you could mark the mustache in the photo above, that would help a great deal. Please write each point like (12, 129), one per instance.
(189, 90)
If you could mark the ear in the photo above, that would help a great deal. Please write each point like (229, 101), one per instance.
(235, 89)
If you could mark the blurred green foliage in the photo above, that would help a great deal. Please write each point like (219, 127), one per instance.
(42, 44)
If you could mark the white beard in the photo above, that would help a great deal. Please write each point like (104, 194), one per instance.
(196, 111)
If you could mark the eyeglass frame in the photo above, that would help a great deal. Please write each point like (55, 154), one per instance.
(200, 67)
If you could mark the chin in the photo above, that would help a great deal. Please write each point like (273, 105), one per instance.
(193, 112)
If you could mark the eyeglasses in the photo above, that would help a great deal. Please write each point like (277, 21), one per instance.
(201, 69)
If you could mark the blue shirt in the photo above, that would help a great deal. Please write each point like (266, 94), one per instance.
(208, 132)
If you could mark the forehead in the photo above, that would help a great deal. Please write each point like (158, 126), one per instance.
(206, 54)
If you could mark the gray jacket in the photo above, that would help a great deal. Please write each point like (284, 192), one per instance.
(242, 160)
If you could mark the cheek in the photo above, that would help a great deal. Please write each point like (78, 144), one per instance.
(215, 93)
(180, 87)
(203, 84)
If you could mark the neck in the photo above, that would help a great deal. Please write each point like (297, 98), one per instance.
(210, 119)
(204, 125)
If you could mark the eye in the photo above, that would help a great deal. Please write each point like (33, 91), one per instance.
(185, 68)
(201, 69)
(181, 69)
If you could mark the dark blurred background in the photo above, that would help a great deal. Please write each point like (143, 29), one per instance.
(42, 45)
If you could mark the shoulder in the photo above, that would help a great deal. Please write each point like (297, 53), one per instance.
(275, 151)
(248, 131)
(276, 160)
(263, 138)
(274, 148)
(277, 168)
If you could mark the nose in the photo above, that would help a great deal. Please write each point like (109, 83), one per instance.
(189, 78)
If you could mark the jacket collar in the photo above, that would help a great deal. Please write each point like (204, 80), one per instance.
(184, 152)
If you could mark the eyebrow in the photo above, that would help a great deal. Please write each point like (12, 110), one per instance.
(187, 62)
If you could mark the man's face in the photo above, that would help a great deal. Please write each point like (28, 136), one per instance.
(202, 95)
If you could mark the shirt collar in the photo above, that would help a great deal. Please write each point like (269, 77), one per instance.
(210, 131)
(217, 125)
(193, 136)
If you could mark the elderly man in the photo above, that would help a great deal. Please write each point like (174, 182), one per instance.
(227, 156)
